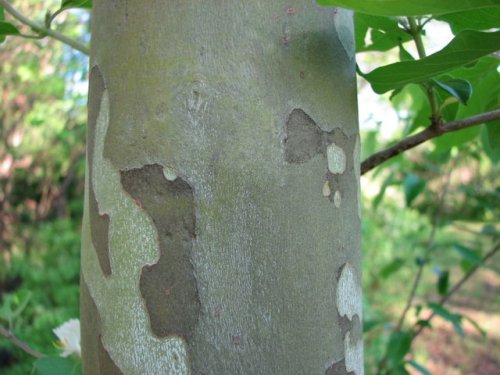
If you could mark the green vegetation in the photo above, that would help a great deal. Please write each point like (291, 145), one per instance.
(430, 214)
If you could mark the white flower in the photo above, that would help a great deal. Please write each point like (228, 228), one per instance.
(69, 337)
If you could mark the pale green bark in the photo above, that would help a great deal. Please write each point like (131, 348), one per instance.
(249, 110)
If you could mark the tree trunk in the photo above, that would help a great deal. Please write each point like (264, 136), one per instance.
(221, 230)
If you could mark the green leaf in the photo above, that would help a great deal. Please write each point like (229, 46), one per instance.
(399, 345)
(490, 137)
(404, 55)
(6, 28)
(420, 261)
(423, 323)
(392, 267)
(443, 282)
(466, 47)
(368, 325)
(419, 367)
(470, 255)
(485, 79)
(409, 7)
(413, 186)
(489, 230)
(389, 181)
(477, 19)
(56, 366)
(66, 4)
(455, 319)
(476, 325)
(458, 88)
(385, 32)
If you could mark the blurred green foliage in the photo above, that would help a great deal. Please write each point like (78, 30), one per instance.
(42, 127)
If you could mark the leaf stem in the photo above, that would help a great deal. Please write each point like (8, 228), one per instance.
(426, 134)
(44, 30)
(415, 32)
(20, 344)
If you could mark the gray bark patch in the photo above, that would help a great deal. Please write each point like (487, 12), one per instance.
(168, 287)
(304, 139)
(99, 224)
(338, 368)
(95, 359)
(354, 326)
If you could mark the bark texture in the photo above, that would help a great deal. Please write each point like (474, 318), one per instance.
(221, 231)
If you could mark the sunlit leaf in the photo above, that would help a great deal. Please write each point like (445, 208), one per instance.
(465, 48)
(409, 7)
(458, 88)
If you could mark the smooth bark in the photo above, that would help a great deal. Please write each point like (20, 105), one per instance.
(221, 231)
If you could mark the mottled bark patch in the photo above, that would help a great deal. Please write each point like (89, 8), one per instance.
(349, 311)
(350, 325)
(169, 286)
(338, 368)
(304, 139)
(95, 358)
(99, 224)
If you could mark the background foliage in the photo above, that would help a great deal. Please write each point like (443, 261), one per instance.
(430, 215)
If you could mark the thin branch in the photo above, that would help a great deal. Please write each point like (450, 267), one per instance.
(44, 30)
(426, 134)
(411, 297)
(459, 284)
(20, 344)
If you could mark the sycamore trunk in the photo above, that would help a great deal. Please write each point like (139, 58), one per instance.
(221, 227)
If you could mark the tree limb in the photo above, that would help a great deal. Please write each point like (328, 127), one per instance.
(426, 134)
(20, 344)
(44, 30)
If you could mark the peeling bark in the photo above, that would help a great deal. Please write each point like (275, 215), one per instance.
(168, 286)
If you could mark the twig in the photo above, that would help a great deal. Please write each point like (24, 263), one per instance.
(20, 344)
(44, 30)
(458, 285)
(426, 134)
